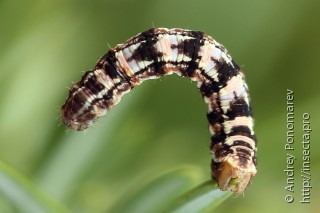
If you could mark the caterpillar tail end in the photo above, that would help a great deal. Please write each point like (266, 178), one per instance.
(234, 178)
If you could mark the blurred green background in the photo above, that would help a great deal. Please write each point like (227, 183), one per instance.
(158, 133)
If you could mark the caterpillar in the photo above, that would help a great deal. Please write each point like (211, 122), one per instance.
(193, 54)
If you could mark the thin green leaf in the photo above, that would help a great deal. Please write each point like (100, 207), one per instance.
(156, 192)
(203, 198)
(24, 194)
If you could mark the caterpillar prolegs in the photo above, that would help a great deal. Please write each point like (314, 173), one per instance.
(160, 51)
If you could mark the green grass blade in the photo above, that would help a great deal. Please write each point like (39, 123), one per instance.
(203, 198)
(24, 194)
(156, 192)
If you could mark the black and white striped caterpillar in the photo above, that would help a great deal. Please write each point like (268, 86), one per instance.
(160, 51)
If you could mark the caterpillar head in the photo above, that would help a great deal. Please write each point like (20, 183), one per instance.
(231, 174)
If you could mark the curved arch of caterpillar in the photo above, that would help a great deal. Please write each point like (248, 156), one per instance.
(160, 51)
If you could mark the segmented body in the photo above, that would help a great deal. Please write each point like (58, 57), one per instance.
(157, 52)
